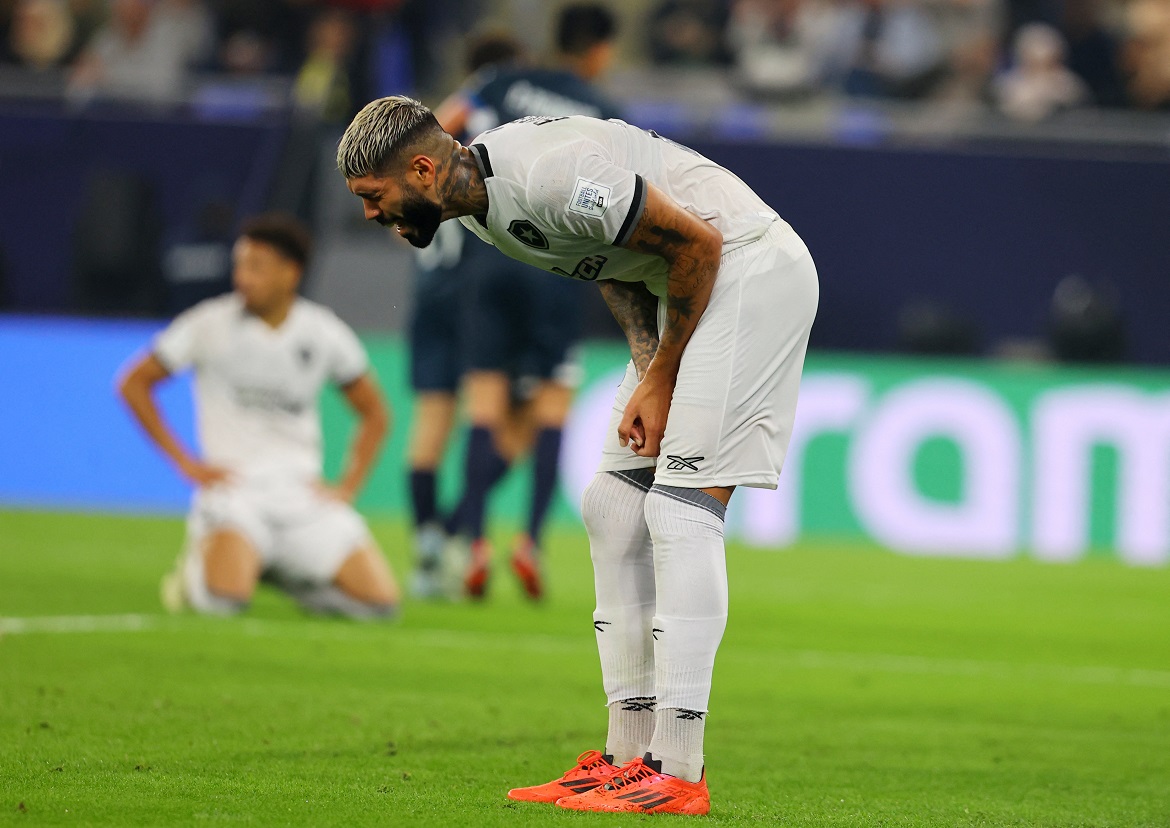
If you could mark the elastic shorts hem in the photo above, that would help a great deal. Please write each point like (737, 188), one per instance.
(752, 481)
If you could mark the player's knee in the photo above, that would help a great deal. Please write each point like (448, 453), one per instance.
(231, 566)
(673, 512)
(608, 502)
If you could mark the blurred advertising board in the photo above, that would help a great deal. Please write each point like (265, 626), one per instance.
(923, 456)
(954, 458)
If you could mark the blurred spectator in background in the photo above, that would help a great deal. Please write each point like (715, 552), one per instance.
(323, 83)
(257, 36)
(1094, 51)
(782, 46)
(689, 32)
(1039, 83)
(970, 30)
(42, 34)
(888, 49)
(145, 50)
(1147, 53)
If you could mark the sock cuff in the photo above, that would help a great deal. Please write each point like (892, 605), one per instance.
(695, 497)
(643, 478)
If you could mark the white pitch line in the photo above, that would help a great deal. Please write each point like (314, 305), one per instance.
(536, 642)
(78, 624)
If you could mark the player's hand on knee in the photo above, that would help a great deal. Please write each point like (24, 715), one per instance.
(338, 492)
(644, 421)
(204, 475)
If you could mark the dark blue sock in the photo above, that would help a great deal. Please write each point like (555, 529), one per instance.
(545, 460)
(483, 469)
(422, 495)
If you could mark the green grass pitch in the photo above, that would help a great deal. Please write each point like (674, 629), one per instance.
(854, 688)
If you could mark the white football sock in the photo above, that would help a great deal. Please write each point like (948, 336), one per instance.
(690, 574)
(623, 574)
(326, 599)
(631, 726)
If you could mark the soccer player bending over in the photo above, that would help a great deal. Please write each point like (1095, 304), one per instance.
(716, 295)
(261, 356)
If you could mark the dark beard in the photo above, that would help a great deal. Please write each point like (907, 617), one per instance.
(420, 216)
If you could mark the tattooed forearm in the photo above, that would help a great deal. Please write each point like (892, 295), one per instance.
(691, 248)
(636, 310)
(659, 241)
(689, 279)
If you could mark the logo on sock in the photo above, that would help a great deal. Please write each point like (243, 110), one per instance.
(639, 703)
(690, 715)
(597, 625)
(678, 463)
(654, 632)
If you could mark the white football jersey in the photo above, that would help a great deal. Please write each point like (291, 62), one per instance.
(256, 387)
(565, 193)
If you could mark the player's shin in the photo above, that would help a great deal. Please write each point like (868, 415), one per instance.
(619, 542)
(690, 571)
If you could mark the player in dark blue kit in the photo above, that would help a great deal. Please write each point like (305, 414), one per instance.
(436, 360)
(517, 326)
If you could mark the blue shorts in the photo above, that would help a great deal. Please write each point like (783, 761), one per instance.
(434, 331)
(516, 319)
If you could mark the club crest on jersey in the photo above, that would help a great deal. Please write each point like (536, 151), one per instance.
(589, 198)
(528, 233)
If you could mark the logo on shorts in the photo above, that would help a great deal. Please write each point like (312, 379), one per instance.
(528, 233)
(679, 463)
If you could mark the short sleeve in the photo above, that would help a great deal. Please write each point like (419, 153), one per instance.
(347, 357)
(577, 190)
(180, 345)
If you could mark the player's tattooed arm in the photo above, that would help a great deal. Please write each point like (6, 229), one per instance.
(691, 248)
(636, 310)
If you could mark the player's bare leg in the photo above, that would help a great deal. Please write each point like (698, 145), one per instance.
(363, 588)
(216, 575)
(365, 576)
(434, 416)
(231, 566)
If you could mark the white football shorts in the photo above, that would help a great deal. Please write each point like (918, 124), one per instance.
(301, 535)
(735, 399)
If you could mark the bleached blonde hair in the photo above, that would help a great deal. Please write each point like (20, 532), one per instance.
(377, 134)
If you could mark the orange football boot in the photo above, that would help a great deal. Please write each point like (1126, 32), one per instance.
(475, 581)
(642, 788)
(526, 565)
(592, 770)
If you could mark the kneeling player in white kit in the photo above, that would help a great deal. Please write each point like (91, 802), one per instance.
(716, 295)
(261, 356)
